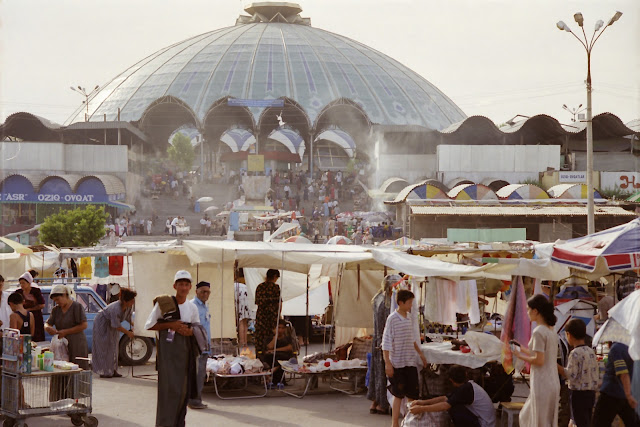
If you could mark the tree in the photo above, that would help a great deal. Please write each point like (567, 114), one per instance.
(181, 152)
(78, 227)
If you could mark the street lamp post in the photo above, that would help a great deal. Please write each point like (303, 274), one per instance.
(82, 91)
(574, 111)
(588, 46)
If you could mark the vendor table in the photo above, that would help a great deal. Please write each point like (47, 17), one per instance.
(441, 353)
(334, 376)
(262, 375)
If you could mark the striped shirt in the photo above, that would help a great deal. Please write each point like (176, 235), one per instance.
(398, 340)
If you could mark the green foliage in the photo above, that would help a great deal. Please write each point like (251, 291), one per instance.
(529, 181)
(615, 192)
(78, 227)
(181, 152)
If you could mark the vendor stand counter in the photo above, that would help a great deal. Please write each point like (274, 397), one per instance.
(440, 353)
(336, 376)
(260, 375)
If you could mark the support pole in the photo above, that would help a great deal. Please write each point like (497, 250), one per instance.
(306, 322)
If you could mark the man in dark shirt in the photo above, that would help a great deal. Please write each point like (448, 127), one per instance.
(615, 392)
(468, 404)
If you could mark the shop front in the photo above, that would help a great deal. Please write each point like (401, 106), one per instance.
(22, 207)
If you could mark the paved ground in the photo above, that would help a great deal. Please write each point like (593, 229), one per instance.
(132, 402)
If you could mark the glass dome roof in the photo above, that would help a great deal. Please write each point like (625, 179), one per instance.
(269, 60)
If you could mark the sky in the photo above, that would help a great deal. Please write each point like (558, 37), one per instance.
(495, 58)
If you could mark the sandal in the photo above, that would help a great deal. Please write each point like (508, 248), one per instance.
(373, 411)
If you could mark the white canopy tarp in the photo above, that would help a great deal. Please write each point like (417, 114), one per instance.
(298, 257)
(287, 226)
(416, 265)
(627, 313)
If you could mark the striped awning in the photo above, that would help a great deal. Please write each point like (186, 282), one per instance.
(238, 139)
(289, 138)
(341, 138)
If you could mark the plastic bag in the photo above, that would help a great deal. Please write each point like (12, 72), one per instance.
(60, 348)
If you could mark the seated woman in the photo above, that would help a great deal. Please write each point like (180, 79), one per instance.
(282, 345)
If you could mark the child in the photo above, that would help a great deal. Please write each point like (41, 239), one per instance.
(20, 318)
(398, 346)
(582, 374)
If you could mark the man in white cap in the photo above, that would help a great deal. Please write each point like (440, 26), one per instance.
(172, 317)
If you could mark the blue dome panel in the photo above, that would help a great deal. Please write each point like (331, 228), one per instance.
(269, 60)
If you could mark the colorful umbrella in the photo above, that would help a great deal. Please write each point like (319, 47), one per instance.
(613, 250)
(211, 208)
(339, 240)
(297, 239)
(634, 198)
(205, 199)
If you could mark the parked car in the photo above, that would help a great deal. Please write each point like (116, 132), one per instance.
(136, 353)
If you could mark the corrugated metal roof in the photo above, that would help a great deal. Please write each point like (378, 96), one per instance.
(100, 125)
(519, 210)
(402, 195)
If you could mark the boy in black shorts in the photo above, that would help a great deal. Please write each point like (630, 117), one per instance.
(399, 346)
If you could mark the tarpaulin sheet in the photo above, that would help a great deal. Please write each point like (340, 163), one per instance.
(154, 273)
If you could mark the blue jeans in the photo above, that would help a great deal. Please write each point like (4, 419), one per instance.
(201, 365)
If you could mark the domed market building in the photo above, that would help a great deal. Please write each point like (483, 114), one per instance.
(274, 85)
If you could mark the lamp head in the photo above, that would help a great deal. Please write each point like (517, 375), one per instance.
(599, 25)
(563, 27)
(80, 87)
(615, 17)
(579, 19)
(97, 86)
(565, 106)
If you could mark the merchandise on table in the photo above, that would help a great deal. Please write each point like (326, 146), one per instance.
(233, 365)
(323, 365)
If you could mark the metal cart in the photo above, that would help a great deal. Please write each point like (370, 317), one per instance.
(42, 393)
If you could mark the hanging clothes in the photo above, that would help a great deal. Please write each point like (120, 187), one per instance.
(85, 269)
(468, 300)
(116, 265)
(445, 298)
(102, 266)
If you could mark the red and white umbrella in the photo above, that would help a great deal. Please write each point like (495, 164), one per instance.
(297, 239)
(339, 240)
(614, 250)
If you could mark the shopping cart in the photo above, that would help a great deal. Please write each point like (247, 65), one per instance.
(43, 393)
(27, 394)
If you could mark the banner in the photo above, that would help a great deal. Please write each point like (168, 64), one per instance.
(255, 163)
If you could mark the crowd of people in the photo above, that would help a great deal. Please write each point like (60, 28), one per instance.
(394, 362)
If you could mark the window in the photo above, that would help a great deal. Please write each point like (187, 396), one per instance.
(88, 302)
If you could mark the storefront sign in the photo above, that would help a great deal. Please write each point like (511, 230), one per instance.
(572, 176)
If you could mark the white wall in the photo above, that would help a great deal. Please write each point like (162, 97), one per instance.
(609, 161)
(478, 177)
(624, 181)
(58, 158)
(409, 167)
(497, 158)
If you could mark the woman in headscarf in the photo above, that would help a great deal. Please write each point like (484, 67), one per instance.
(377, 391)
(106, 327)
(68, 320)
(33, 302)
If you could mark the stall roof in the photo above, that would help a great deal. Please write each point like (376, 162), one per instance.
(536, 210)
